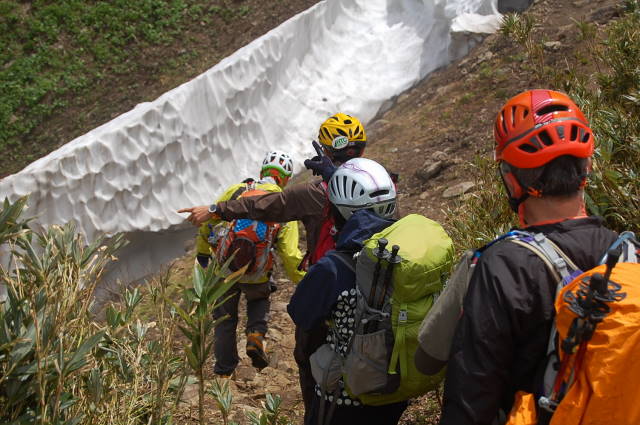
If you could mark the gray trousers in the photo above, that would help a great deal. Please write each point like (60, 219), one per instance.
(225, 344)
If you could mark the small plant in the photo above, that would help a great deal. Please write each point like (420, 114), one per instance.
(220, 391)
(270, 414)
(520, 29)
(206, 294)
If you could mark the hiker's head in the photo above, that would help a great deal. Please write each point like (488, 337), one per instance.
(342, 137)
(277, 165)
(544, 145)
(361, 183)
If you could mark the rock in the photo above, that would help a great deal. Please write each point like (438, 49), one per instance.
(580, 3)
(604, 14)
(457, 190)
(190, 395)
(417, 150)
(279, 306)
(429, 170)
(403, 97)
(484, 57)
(552, 45)
(245, 373)
(442, 90)
(440, 155)
(393, 150)
(275, 334)
(424, 195)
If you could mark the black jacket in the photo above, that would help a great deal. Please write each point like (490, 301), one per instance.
(501, 339)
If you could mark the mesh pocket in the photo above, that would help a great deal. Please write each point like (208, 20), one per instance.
(366, 365)
(326, 368)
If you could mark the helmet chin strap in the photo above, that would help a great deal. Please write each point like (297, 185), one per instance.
(516, 199)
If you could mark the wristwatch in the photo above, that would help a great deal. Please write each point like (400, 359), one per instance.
(213, 208)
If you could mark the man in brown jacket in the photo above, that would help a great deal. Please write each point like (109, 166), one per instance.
(342, 137)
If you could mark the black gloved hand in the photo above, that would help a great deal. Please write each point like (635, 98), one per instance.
(203, 260)
(321, 166)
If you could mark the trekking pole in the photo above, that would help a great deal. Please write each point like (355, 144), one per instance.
(380, 253)
(388, 274)
(393, 259)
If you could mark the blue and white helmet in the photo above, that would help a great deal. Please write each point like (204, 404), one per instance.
(361, 183)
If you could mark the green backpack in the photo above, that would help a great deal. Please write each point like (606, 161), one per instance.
(394, 289)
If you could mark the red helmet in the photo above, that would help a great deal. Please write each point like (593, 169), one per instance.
(537, 126)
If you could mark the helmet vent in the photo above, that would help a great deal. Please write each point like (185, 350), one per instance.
(353, 188)
(525, 113)
(574, 133)
(551, 108)
(528, 148)
(378, 193)
(344, 185)
(504, 124)
(513, 115)
(342, 132)
(545, 138)
(585, 137)
(391, 208)
(348, 121)
(560, 131)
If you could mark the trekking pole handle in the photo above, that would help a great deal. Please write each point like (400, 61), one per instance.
(382, 246)
(613, 255)
(394, 259)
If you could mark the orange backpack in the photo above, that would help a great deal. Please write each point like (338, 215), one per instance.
(591, 379)
(248, 241)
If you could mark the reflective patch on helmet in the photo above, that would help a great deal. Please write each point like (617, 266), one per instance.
(340, 142)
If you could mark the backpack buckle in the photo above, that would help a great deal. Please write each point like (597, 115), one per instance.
(547, 404)
(403, 316)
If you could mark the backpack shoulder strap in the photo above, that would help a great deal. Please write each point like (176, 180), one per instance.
(345, 258)
(630, 248)
(560, 265)
(239, 191)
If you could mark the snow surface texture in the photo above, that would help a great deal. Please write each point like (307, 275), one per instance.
(132, 173)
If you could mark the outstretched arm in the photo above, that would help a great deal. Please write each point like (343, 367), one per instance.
(294, 203)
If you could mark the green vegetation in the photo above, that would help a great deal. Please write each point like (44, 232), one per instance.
(610, 96)
(60, 365)
(56, 50)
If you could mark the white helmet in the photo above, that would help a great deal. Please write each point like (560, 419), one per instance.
(361, 183)
(279, 161)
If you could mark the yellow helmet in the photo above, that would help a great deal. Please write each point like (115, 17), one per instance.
(343, 137)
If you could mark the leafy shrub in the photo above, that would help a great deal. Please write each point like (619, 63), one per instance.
(59, 364)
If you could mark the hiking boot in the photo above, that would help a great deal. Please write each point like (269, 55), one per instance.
(255, 350)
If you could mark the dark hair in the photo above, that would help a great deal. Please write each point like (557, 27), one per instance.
(564, 176)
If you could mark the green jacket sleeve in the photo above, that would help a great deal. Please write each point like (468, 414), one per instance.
(202, 243)
(287, 247)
